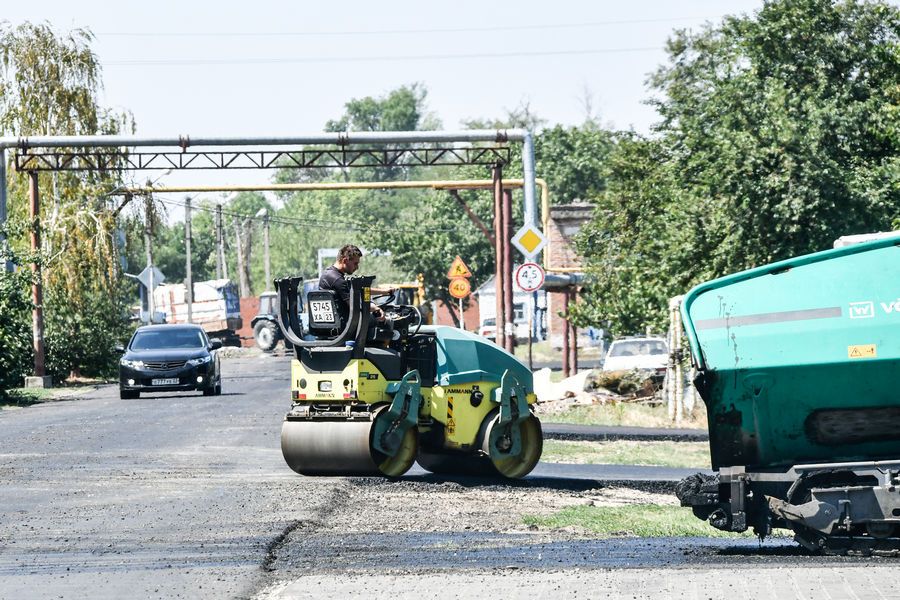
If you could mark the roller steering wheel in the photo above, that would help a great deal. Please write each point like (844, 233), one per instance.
(419, 319)
(380, 301)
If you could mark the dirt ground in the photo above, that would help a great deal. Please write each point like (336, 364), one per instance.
(476, 507)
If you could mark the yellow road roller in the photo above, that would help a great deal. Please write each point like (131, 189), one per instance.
(372, 398)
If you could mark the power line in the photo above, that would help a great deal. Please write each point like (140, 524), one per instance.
(435, 30)
(175, 62)
(300, 222)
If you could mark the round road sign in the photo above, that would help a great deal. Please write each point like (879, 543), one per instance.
(460, 287)
(530, 277)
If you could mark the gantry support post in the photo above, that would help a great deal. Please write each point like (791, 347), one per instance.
(499, 238)
(37, 288)
(508, 310)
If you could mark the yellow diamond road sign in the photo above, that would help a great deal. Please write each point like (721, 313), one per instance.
(529, 240)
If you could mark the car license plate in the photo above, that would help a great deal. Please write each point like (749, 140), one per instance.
(171, 381)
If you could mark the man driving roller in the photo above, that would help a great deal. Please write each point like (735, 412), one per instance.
(332, 278)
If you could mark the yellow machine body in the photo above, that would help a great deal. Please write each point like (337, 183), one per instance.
(454, 407)
(359, 381)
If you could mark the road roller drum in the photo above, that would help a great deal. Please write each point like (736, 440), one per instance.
(343, 447)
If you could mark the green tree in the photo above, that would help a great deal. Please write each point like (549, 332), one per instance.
(634, 245)
(573, 161)
(402, 109)
(786, 124)
(49, 86)
(779, 133)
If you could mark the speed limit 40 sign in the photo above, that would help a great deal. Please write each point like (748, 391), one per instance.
(530, 277)
(460, 287)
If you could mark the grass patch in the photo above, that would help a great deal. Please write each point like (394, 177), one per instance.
(20, 397)
(642, 520)
(628, 414)
(628, 452)
(25, 396)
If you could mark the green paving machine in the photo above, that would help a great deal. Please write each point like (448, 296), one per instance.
(371, 398)
(798, 364)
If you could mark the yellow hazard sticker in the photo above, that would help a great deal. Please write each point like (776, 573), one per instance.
(863, 351)
(451, 424)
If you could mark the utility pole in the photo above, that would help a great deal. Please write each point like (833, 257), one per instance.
(264, 213)
(268, 260)
(220, 243)
(148, 247)
(37, 290)
(189, 281)
(243, 256)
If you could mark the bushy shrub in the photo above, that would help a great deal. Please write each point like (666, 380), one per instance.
(15, 329)
(80, 338)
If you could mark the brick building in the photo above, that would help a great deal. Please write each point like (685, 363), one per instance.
(470, 311)
(564, 223)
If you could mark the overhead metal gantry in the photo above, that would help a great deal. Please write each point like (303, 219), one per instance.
(95, 160)
(33, 155)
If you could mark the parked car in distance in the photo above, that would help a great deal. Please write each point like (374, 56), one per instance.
(642, 353)
(488, 328)
(169, 358)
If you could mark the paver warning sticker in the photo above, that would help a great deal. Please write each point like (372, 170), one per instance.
(863, 351)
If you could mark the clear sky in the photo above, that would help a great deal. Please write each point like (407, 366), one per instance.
(265, 67)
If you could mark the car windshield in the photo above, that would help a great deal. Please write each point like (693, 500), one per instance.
(168, 338)
(637, 348)
(489, 323)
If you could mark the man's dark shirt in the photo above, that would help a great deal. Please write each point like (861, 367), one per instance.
(333, 279)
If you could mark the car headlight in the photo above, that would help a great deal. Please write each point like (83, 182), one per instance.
(134, 364)
(199, 361)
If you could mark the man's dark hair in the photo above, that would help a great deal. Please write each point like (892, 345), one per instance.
(349, 252)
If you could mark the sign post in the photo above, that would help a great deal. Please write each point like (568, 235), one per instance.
(151, 278)
(459, 285)
(530, 277)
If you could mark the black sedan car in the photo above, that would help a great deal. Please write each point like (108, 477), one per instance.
(169, 358)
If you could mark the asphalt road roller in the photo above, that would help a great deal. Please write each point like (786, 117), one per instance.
(372, 397)
(798, 364)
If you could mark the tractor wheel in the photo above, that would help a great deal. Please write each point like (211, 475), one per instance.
(266, 335)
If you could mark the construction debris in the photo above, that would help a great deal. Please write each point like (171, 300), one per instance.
(592, 387)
